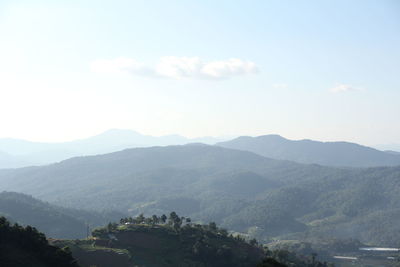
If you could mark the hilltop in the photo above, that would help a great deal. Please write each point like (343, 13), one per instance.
(154, 241)
(158, 241)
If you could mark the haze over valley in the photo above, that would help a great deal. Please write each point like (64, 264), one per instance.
(199, 133)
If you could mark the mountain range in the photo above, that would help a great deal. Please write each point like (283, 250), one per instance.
(238, 189)
(15, 153)
(340, 154)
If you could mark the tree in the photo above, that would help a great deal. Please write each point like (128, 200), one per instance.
(173, 217)
(156, 220)
(212, 226)
(109, 227)
(270, 262)
(140, 218)
(313, 257)
(22, 246)
(253, 242)
(163, 218)
(223, 232)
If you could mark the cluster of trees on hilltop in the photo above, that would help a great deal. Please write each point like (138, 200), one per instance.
(205, 243)
(173, 221)
(25, 246)
(193, 243)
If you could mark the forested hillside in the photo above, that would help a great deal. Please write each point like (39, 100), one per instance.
(341, 154)
(166, 241)
(25, 246)
(239, 190)
(54, 221)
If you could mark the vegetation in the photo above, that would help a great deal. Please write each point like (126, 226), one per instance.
(54, 221)
(283, 258)
(314, 152)
(166, 241)
(239, 190)
(25, 246)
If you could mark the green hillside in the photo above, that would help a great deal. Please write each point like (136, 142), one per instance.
(239, 190)
(25, 246)
(132, 178)
(54, 221)
(156, 242)
(314, 152)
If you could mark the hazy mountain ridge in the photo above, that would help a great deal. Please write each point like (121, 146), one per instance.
(54, 221)
(171, 168)
(388, 147)
(15, 153)
(339, 154)
(238, 189)
(392, 152)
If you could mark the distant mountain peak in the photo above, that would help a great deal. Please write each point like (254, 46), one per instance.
(341, 154)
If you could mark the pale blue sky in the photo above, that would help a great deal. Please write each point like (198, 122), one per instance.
(326, 70)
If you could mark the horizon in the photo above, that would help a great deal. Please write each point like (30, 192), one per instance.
(381, 147)
(319, 71)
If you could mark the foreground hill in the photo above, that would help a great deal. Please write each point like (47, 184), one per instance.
(154, 241)
(308, 151)
(168, 243)
(25, 246)
(240, 190)
(54, 221)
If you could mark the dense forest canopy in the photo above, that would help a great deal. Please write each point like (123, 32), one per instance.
(25, 246)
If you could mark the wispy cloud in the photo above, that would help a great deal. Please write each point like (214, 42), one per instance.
(280, 85)
(341, 88)
(120, 65)
(178, 68)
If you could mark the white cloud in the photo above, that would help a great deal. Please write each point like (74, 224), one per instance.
(178, 68)
(344, 88)
(228, 68)
(280, 85)
(119, 65)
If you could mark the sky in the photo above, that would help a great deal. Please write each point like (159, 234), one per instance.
(323, 70)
